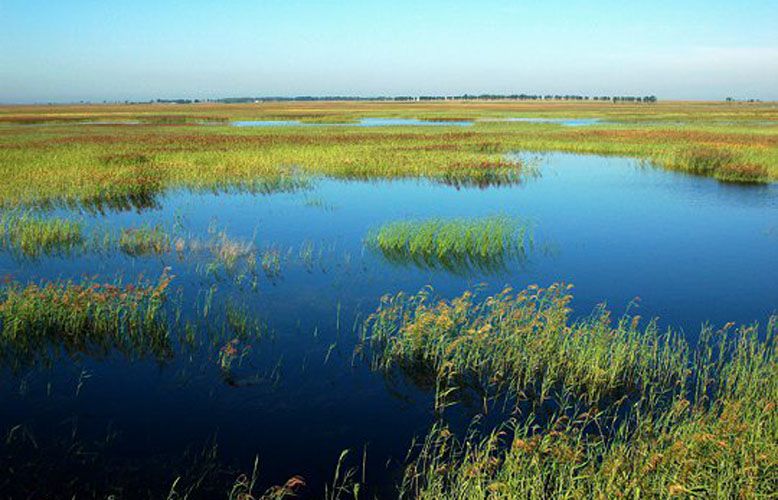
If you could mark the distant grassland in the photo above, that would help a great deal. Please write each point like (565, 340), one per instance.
(46, 158)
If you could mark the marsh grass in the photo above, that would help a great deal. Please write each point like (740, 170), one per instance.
(32, 236)
(124, 168)
(144, 240)
(86, 317)
(485, 174)
(602, 408)
(719, 163)
(522, 345)
(459, 245)
(715, 437)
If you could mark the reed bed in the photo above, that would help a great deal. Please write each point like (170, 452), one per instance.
(603, 409)
(144, 240)
(457, 244)
(717, 437)
(523, 345)
(33, 236)
(86, 317)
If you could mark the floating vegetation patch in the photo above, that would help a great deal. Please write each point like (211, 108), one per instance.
(86, 317)
(713, 435)
(33, 236)
(458, 245)
(522, 345)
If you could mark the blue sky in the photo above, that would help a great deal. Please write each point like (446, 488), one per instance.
(95, 50)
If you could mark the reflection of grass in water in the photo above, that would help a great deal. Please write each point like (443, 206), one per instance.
(82, 317)
(636, 411)
(34, 236)
(457, 245)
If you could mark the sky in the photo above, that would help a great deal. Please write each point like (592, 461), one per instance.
(94, 50)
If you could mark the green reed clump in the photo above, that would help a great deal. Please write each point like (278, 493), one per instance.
(144, 240)
(719, 163)
(33, 236)
(454, 244)
(522, 345)
(717, 438)
(83, 317)
(483, 174)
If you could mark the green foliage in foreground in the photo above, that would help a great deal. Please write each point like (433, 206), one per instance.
(457, 245)
(637, 413)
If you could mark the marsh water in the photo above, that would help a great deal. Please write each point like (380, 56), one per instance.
(690, 249)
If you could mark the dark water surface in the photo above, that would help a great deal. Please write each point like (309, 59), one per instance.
(692, 249)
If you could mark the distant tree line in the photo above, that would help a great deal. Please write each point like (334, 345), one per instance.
(533, 97)
(462, 97)
(732, 99)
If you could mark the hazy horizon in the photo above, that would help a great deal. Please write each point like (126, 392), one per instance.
(92, 51)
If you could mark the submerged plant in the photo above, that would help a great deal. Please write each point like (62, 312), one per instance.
(458, 245)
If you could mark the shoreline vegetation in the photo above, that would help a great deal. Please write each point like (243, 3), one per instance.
(113, 165)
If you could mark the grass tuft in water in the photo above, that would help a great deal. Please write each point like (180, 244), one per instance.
(458, 245)
(144, 240)
(522, 345)
(83, 317)
(33, 236)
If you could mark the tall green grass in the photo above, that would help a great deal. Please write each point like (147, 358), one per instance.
(458, 245)
(722, 164)
(33, 236)
(144, 240)
(85, 317)
(717, 437)
(603, 408)
(522, 345)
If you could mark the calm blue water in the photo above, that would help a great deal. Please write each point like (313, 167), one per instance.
(692, 249)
